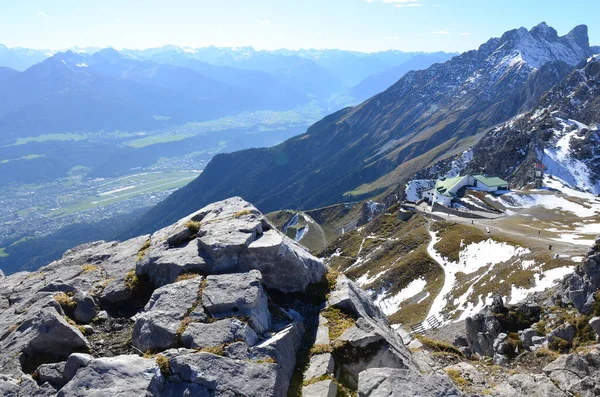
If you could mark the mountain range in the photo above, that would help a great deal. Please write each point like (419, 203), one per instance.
(79, 91)
(425, 117)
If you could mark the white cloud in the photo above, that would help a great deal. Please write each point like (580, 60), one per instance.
(41, 14)
(392, 38)
(408, 5)
(262, 22)
(465, 34)
(440, 32)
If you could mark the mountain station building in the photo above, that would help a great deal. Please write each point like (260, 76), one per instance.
(446, 189)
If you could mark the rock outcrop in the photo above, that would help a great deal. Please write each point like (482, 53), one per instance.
(220, 303)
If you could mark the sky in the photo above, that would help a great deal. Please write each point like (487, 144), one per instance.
(360, 25)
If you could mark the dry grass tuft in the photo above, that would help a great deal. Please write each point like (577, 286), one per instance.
(193, 226)
(163, 364)
(338, 322)
(186, 276)
(89, 268)
(65, 300)
(439, 346)
(242, 213)
(142, 250)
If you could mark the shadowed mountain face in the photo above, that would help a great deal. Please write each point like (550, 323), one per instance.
(363, 150)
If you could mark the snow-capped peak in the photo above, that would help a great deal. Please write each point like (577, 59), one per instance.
(542, 44)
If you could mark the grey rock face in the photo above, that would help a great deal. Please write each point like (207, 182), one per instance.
(324, 388)
(157, 325)
(482, 329)
(528, 385)
(526, 337)
(350, 297)
(162, 263)
(388, 382)
(130, 376)
(229, 330)
(567, 370)
(45, 332)
(74, 362)
(595, 324)
(566, 332)
(320, 365)
(52, 373)
(238, 294)
(232, 236)
(86, 308)
(222, 374)
(185, 389)
(282, 347)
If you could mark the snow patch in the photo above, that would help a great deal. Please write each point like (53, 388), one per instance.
(543, 281)
(391, 305)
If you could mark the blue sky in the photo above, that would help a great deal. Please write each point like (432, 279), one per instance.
(362, 25)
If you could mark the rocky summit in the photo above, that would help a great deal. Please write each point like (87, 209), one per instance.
(218, 304)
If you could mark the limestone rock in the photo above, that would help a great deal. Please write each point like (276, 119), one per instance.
(595, 324)
(528, 385)
(222, 374)
(228, 330)
(238, 294)
(282, 347)
(324, 388)
(527, 336)
(51, 373)
(320, 365)
(162, 263)
(86, 308)
(74, 362)
(157, 325)
(124, 376)
(388, 382)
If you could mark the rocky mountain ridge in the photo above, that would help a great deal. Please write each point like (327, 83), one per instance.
(222, 304)
(426, 116)
(558, 137)
(218, 304)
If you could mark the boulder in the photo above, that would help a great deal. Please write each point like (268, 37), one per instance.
(228, 330)
(388, 382)
(324, 388)
(86, 308)
(567, 370)
(162, 263)
(350, 298)
(528, 385)
(123, 376)
(238, 294)
(595, 324)
(156, 327)
(482, 329)
(221, 374)
(44, 332)
(51, 373)
(74, 362)
(591, 268)
(320, 365)
(565, 331)
(577, 289)
(322, 337)
(526, 336)
(282, 347)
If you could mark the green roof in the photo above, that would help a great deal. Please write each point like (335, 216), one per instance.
(444, 185)
(491, 181)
